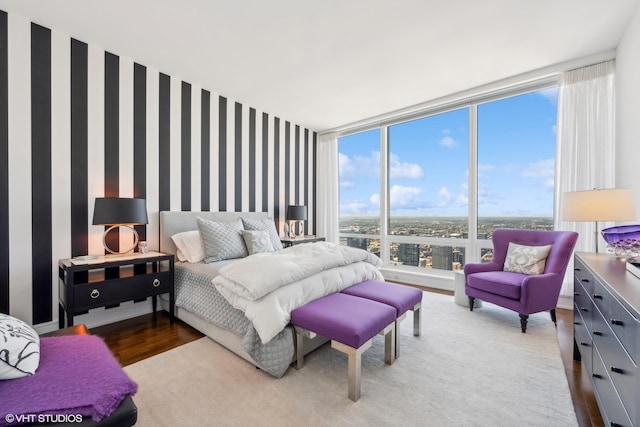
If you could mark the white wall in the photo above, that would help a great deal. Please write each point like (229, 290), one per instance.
(628, 109)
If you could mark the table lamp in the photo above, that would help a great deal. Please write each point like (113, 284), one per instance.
(613, 204)
(119, 212)
(296, 214)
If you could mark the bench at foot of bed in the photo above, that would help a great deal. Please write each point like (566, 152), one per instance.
(402, 298)
(350, 323)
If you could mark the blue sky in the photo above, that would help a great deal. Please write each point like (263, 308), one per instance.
(429, 162)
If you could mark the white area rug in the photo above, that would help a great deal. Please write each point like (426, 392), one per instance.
(467, 369)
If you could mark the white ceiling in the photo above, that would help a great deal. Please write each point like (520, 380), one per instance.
(329, 63)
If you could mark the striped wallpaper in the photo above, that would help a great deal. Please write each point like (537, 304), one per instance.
(77, 122)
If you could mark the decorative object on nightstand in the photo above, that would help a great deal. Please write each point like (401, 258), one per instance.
(116, 212)
(296, 214)
(291, 241)
(612, 204)
(107, 281)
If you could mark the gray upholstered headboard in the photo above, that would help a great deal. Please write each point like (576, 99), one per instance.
(172, 222)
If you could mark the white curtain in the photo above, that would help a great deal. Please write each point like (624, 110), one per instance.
(327, 199)
(585, 146)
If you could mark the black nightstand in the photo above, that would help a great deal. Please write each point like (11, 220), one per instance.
(291, 241)
(109, 280)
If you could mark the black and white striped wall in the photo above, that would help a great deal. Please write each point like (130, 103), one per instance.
(77, 122)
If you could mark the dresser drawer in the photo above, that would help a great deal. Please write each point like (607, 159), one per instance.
(583, 339)
(582, 275)
(622, 371)
(92, 295)
(583, 304)
(611, 406)
(623, 324)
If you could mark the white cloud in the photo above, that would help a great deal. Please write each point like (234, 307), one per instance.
(355, 207)
(448, 142)
(347, 184)
(543, 169)
(404, 197)
(398, 169)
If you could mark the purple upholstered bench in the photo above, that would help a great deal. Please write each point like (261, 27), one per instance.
(350, 323)
(402, 298)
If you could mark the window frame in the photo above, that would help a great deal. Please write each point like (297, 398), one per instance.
(473, 246)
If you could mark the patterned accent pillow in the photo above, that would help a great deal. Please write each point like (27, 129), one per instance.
(264, 224)
(189, 246)
(257, 241)
(222, 240)
(526, 259)
(19, 348)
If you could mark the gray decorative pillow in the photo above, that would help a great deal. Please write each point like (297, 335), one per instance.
(222, 240)
(264, 224)
(526, 259)
(19, 348)
(257, 241)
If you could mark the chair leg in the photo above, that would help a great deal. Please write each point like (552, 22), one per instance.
(472, 300)
(523, 322)
(552, 312)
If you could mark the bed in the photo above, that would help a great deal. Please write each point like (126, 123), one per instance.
(201, 305)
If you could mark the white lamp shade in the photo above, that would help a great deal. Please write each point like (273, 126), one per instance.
(615, 204)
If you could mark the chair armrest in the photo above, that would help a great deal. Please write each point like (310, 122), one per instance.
(541, 292)
(481, 267)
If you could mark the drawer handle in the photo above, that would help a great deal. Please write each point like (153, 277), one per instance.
(576, 294)
(596, 376)
(585, 280)
(617, 370)
(597, 333)
(576, 323)
(94, 294)
(584, 309)
(617, 322)
(586, 344)
(615, 424)
(576, 269)
(156, 283)
(597, 296)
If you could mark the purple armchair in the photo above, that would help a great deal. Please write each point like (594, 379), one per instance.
(525, 294)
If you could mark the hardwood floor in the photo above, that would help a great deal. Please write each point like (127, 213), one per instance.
(135, 339)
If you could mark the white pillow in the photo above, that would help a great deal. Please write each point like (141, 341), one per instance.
(222, 240)
(266, 224)
(526, 259)
(257, 241)
(19, 348)
(189, 246)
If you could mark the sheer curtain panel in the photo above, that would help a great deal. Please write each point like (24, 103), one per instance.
(585, 156)
(328, 196)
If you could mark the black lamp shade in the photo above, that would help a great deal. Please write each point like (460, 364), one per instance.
(296, 212)
(116, 210)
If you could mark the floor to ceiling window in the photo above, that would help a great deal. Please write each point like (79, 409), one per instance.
(412, 191)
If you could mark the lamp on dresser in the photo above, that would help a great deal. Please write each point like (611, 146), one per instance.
(119, 212)
(611, 204)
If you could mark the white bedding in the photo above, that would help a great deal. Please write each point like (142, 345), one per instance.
(267, 287)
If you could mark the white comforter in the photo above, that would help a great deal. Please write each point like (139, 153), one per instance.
(266, 287)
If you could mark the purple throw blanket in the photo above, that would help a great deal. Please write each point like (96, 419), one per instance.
(76, 375)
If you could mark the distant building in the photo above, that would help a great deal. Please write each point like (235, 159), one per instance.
(409, 254)
(442, 257)
(356, 242)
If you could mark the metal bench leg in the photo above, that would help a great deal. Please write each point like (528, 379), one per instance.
(397, 326)
(416, 319)
(390, 343)
(355, 366)
(301, 333)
